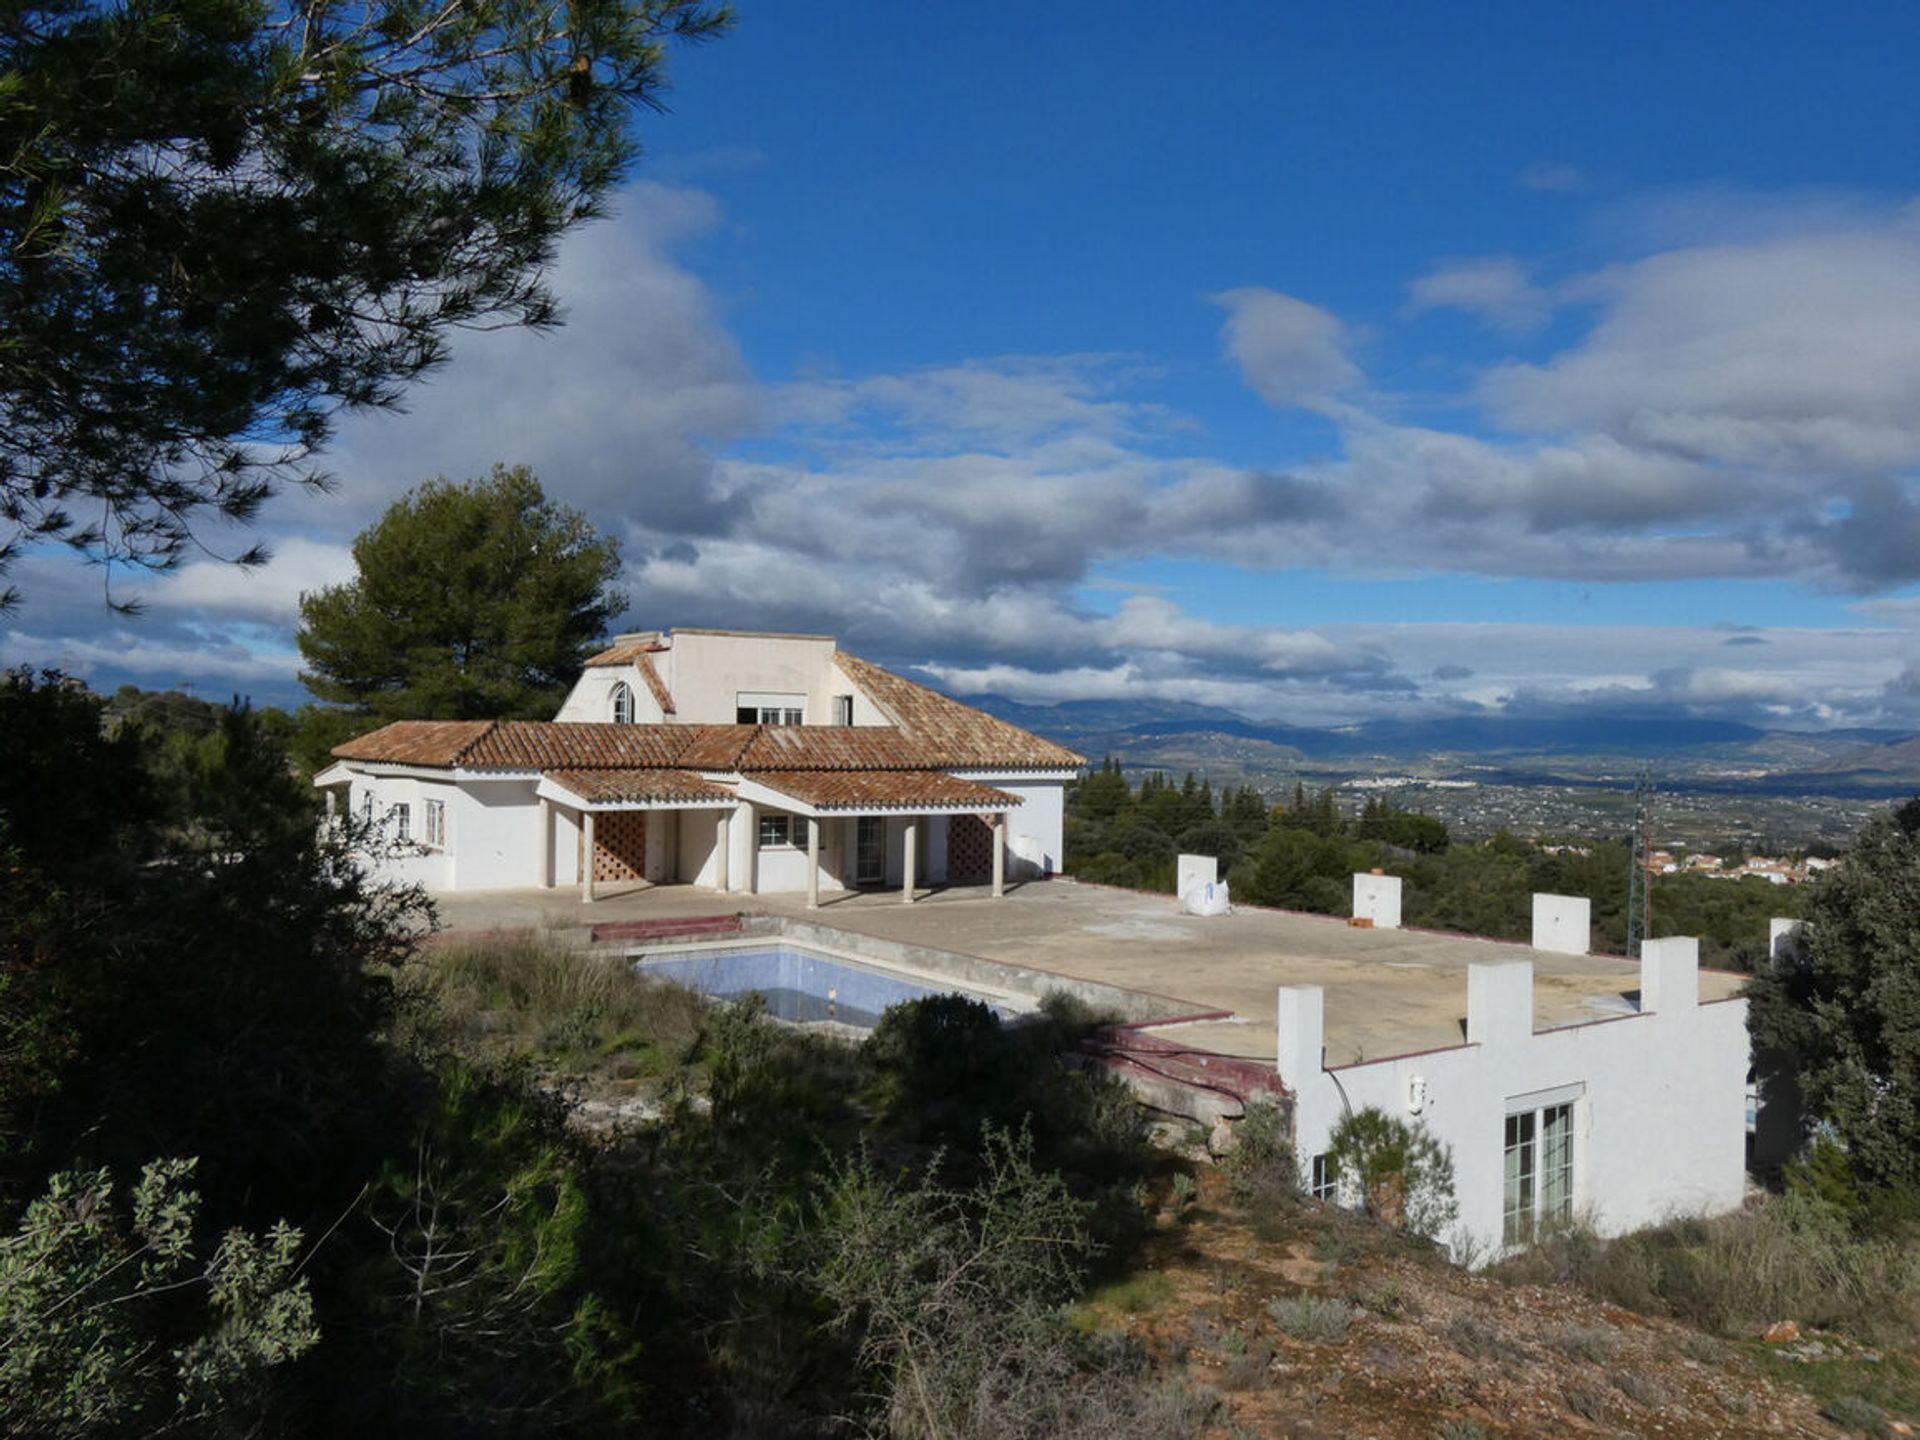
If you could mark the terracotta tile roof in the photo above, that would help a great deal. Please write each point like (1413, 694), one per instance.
(884, 789)
(651, 675)
(625, 654)
(832, 747)
(637, 787)
(929, 732)
(713, 747)
(415, 742)
(950, 735)
(575, 745)
(550, 744)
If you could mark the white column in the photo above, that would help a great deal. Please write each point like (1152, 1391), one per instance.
(909, 843)
(813, 863)
(333, 804)
(546, 844)
(586, 864)
(753, 850)
(999, 854)
(723, 850)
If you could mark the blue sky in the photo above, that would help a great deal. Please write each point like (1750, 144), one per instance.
(1322, 362)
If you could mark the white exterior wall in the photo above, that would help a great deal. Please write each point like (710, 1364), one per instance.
(1036, 828)
(1659, 1114)
(592, 696)
(705, 673)
(493, 833)
(698, 861)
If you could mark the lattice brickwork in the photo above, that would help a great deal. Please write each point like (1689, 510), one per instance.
(619, 846)
(969, 848)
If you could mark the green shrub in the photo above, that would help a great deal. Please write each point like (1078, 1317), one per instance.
(1478, 1340)
(1405, 1174)
(1587, 1404)
(1639, 1388)
(1593, 1343)
(1863, 1417)
(1261, 1169)
(1316, 1318)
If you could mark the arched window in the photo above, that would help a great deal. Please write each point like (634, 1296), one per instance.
(622, 705)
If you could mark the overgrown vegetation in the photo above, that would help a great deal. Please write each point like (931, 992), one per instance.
(397, 1227)
(1793, 1258)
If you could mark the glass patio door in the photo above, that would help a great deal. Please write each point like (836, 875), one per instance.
(870, 850)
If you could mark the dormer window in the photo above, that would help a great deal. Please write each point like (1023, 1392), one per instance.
(622, 704)
(843, 709)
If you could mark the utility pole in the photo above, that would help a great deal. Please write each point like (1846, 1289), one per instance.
(1640, 881)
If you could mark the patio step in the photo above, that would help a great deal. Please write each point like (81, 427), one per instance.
(690, 927)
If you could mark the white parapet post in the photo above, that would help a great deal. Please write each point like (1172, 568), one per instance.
(587, 866)
(1785, 938)
(546, 843)
(1194, 871)
(723, 851)
(1376, 898)
(813, 864)
(1302, 1023)
(909, 860)
(999, 854)
(1499, 1002)
(1669, 975)
(1563, 924)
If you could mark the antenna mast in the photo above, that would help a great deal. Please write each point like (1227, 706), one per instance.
(1640, 881)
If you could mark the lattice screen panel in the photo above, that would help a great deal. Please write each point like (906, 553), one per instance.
(969, 848)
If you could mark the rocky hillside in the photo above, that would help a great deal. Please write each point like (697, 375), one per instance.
(1316, 1323)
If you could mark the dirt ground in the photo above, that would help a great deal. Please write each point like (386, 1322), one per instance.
(1429, 1351)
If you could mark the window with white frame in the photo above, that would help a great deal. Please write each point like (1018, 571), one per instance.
(780, 832)
(1538, 1172)
(1324, 1181)
(434, 824)
(622, 703)
(843, 710)
(402, 817)
(761, 708)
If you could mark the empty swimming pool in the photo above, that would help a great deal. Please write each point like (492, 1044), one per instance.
(801, 984)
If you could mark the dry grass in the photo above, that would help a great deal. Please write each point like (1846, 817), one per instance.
(1734, 1274)
(532, 995)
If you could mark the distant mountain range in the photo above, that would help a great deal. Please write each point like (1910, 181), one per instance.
(1147, 732)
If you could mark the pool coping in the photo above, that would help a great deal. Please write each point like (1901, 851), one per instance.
(1020, 1002)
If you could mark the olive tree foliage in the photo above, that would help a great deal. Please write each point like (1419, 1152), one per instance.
(87, 1345)
(222, 222)
(472, 602)
(1843, 1011)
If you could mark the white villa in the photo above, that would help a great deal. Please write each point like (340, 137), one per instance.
(735, 760)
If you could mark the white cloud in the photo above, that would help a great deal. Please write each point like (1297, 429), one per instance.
(1289, 352)
(1795, 354)
(1500, 289)
(617, 410)
(269, 593)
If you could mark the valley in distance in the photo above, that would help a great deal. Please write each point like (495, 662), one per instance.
(1724, 787)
